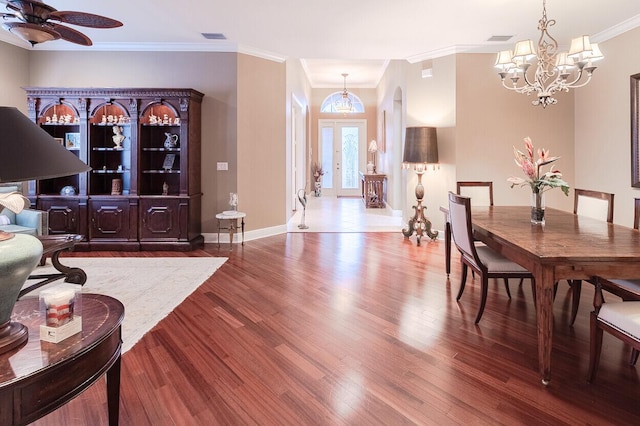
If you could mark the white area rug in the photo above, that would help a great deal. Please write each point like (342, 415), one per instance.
(149, 288)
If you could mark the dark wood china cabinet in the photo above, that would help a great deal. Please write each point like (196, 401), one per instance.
(143, 191)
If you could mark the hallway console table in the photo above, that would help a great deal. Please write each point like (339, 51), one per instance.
(373, 189)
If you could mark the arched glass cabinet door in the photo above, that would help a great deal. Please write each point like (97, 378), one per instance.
(160, 141)
(61, 120)
(110, 149)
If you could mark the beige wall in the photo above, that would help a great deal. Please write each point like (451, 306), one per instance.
(299, 100)
(391, 96)
(261, 145)
(14, 74)
(603, 123)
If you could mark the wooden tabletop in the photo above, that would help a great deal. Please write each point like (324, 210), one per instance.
(564, 238)
(40, 376)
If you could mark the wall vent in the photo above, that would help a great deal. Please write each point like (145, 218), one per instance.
(214, 36)
(501, 38)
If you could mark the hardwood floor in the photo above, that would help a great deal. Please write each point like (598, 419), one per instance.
(357, 329)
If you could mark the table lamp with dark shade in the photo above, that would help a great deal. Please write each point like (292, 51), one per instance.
(420, 150)
(27, 152)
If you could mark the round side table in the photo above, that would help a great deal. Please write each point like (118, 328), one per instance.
(231, 216)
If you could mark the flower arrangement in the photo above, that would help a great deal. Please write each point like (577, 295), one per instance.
(316, 170)
(538, 182)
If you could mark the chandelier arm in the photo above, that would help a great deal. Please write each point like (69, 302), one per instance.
(573, 84)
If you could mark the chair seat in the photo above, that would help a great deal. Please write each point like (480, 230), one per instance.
(496, 263)
(17, 229)
(630, 285)
(623, 316)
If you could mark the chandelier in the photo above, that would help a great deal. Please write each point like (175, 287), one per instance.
(554, 72)
(343, 105)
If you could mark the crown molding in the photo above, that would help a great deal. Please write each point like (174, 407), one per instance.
(618, 29)
(438, 53)
(213, 46)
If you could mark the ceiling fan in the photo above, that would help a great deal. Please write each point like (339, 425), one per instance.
(36, 22)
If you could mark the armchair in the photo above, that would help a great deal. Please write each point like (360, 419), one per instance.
(28, 221)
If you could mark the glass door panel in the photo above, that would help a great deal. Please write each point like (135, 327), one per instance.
(342, 153)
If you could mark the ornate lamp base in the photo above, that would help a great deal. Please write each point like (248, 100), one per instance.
(12, 335)
(419, 223)
(19, 256)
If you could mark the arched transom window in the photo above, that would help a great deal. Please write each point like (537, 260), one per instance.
(329, 103)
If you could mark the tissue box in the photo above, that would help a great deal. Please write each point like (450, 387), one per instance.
(62, 308)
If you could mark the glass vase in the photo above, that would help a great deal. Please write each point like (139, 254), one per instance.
(537, 208)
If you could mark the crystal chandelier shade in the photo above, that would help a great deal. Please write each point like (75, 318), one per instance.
(554, 71)
(343, 105)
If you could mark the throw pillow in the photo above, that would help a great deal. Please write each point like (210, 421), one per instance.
(4, 220)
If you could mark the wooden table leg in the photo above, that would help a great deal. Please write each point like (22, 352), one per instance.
(232, 228)
(447, 247)
(544, 315)
(218, 233)
(113, 392)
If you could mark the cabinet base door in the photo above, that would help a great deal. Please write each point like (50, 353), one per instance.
(65, 215)
(111, 219)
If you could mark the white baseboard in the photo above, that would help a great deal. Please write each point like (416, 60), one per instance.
(212, 237)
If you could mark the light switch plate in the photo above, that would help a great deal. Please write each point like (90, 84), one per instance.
(223, 165)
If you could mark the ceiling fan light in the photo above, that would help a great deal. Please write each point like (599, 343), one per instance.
(31, 33)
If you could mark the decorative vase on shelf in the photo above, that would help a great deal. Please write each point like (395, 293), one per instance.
(537, 208)
(370, 167)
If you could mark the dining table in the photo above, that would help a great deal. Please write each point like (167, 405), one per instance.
(567, 246)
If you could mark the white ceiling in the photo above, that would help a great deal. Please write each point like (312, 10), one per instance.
(332, 37)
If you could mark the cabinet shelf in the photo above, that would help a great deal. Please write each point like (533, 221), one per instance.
(161, 149)
(162, 172)
(101, 148)
(102, 171)
(111, 124)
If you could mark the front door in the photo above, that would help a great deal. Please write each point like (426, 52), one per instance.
(342, 155)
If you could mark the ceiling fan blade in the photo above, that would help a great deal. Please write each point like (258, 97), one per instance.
(34, 12)
(84, 19)
(69, 34)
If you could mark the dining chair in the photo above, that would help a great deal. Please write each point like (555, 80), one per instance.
(621, 319)
(483, 260)
(597, 205)
(481, 193)
(628, 289)
(594, 204)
